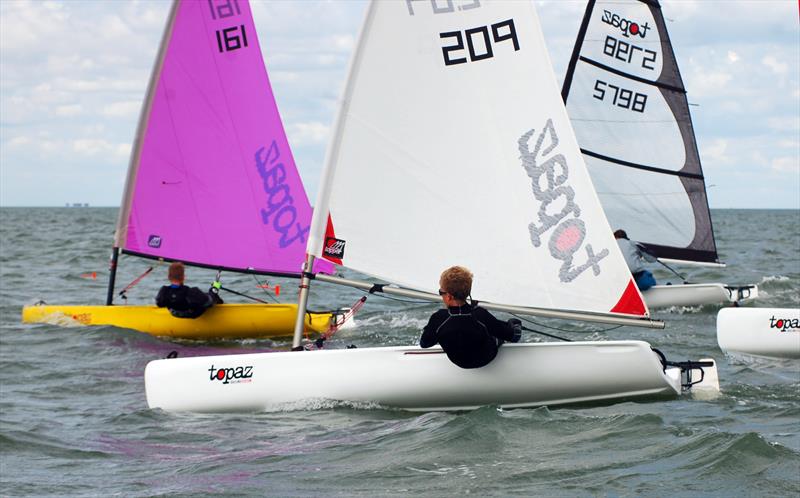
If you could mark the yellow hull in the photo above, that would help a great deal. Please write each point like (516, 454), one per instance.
(224, 321)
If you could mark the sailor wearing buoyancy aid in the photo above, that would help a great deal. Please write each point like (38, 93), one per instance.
(184, 301)
(469, 335)
(635, 258)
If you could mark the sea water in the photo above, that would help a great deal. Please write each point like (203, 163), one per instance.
(74, 420)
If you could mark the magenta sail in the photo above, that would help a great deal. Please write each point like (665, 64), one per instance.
(212, 179)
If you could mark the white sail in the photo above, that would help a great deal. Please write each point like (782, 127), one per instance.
(453, 146)
(628, 106)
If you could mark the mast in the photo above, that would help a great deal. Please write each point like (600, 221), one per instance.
(112, 275)
(321, 214)
(302, 303)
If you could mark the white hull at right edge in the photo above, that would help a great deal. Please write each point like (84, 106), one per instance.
(415, 379)
(762, 332)
(664, 296)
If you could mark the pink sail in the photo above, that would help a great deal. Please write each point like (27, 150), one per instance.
(212, 180)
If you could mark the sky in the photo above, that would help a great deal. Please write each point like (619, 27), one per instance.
(73, 75)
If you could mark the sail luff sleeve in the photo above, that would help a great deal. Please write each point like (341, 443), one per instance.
(121, 233)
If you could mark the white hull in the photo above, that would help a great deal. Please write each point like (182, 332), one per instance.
(769, 332)
(663, 296)
(412, 378)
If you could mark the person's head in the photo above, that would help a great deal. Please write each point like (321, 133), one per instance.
(455, 285)
(175, 273)
(620, 234)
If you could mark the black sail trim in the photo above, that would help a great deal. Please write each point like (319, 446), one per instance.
(642, 166)
(681, 253)
(576, 50)
(630, 76)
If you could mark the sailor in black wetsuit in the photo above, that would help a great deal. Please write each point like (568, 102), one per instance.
(184, 301)
(470, 336)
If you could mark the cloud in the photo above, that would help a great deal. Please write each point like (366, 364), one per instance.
(125, 109)
(784, 123)
(785, 164)
(20, 141)
(94, 147)
(776, 66)
(73, 74)
(308, 133)
(69, 111)
(715, 152)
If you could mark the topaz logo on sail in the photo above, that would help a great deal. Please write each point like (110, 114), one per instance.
(231, 375)
(154, 241)
(280, 211)
(627, 26)
(549, 175)
(784, 324)
(334, 247)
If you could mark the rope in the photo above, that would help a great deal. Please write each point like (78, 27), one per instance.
(673, 271)
(334, 327)
(545, 333)
(135, 281)
(265, 290)
(243, 295)
(593, 331)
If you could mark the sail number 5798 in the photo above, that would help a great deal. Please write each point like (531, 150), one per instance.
(622, 97)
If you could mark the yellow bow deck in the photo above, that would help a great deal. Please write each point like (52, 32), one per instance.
(223, 321)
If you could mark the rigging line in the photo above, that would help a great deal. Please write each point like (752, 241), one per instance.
(644, 249)
(265, 290)
(594, 331)
(243, 295)
(384, 296)
(546, 334)
(645, 81)
(135, 281)
(673, 271)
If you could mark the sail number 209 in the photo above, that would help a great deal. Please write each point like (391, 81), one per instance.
(479, 42)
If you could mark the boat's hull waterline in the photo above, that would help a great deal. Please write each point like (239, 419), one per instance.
(664, 296)
(224, 321)
(410, 378)
(764, 332)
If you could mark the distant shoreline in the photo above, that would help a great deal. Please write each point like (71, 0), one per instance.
(116, 207)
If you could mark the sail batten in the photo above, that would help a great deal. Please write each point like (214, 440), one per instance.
(644, 167)
(452, 146)
(212, 181)
(627, 102)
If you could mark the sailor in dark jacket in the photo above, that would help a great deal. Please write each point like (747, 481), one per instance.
(469, 335)
(184, 301)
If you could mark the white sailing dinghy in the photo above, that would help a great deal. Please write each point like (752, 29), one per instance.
(626, 99)
(765, 332)
(211, 181)
(452, 146)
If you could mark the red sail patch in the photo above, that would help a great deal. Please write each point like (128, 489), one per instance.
(332, 248)
(630, 303)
